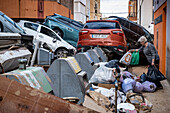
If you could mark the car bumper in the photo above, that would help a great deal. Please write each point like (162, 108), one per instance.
(120, 50)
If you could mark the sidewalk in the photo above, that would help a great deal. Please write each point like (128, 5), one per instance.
(160, 99)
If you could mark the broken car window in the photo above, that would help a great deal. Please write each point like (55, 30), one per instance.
(49, 33)
(31, 26)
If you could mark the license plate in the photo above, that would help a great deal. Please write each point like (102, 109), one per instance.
(99, 36)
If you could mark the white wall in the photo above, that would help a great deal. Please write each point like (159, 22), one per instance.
(146, 13)
(158, 3)
(83, 1)
(80, 10)
(88, 9)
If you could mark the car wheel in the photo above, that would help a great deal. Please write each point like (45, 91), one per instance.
(1, 27)
(61, 53)
(59, 32)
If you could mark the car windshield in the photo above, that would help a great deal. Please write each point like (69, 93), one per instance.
(12, 22)
(102, 25)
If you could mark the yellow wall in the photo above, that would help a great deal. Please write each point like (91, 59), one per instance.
(132, 9)
(161, 28)
(92, 10)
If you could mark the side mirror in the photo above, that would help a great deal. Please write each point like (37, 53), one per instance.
(54, 40)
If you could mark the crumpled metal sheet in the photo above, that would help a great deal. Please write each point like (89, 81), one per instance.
(9, 39)
(9, 58)
(17, 98)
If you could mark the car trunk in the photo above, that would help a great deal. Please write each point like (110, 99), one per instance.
(103, 37)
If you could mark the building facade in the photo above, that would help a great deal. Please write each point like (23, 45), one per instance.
(132, 10)
(36, 9)
(82, 10)
(168, 41)
(160, 35)
(95, 10)
(145, 14)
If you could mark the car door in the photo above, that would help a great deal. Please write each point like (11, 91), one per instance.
(31, 29)
(48, 36)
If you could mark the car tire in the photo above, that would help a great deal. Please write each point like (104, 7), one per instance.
(59, 32)
(61, 53)
(1, 27)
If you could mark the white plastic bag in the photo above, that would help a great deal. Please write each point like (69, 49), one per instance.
(126, 58)
(110, 93)
(102, 74)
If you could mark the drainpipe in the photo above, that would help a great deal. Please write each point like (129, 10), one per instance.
(140, 12)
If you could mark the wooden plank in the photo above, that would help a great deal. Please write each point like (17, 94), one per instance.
(99, 98)
(109, 86)
(92, 104)
(16, 98)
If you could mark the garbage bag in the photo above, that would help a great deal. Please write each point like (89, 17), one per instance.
(127, 74)
(149, 86)
(128, 84)
(126, 58)
(135, 58)
(138, 88)
(113, 64)
(143, 77)
(154, 75)
(102, 74)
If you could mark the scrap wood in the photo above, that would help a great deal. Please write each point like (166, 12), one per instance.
(100, 99)
(92, 104)
(109, 86)
(16, 98)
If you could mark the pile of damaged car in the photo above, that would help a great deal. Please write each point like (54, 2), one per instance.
(60, 65)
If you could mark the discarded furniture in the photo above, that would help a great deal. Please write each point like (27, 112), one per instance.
(68, 78)
(35, 77)
(9, 58)
(17, 98)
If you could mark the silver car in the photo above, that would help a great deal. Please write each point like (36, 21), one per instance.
(8, 25)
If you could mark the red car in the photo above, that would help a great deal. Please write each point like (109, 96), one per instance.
(103, 33)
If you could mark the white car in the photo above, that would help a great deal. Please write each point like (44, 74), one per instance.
(48, 36)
